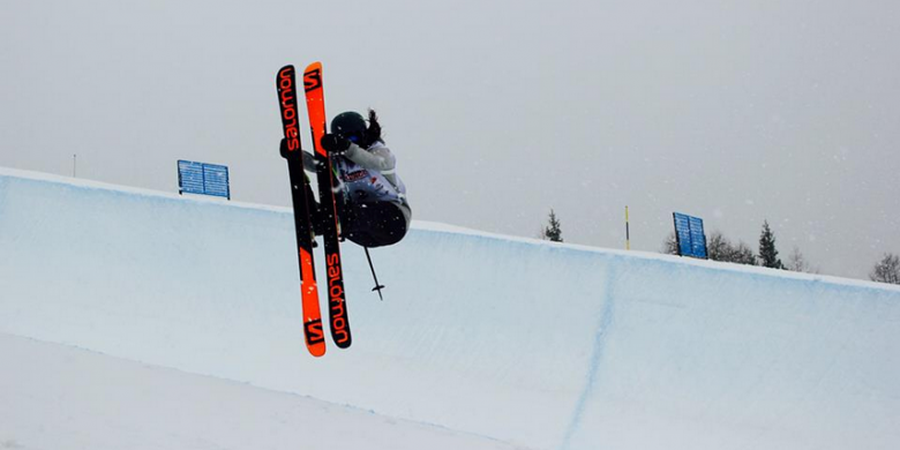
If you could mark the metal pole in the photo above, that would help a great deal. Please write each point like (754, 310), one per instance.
(75, 166)
(378, 287)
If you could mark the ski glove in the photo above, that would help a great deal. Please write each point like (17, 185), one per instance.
(334, 144)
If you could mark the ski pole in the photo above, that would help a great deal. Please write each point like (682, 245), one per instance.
(378, 287)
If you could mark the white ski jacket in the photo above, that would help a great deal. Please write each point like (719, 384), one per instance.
(368, 175)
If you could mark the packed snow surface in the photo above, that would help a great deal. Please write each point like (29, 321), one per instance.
(488, 339)
(60, 397)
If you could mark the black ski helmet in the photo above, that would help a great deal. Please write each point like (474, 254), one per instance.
(350, 125)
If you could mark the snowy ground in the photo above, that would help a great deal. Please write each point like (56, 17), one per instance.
(59, 397)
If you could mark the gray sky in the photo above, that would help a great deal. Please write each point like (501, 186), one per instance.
(736, 112)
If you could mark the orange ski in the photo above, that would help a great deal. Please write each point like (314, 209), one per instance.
(337, 307)
(291, 150)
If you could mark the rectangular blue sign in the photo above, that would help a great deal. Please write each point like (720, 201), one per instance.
(204, 179)
(683, 233)
(690, 235)
(698, 237)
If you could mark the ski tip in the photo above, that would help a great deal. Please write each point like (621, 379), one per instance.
(317, 350)
(313, 66)
(286, 69)
(312, 81)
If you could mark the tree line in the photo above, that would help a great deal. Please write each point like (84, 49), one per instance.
(720, 248)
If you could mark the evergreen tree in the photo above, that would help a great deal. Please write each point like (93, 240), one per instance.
(887, 270)
(552, 232)
(768, 255)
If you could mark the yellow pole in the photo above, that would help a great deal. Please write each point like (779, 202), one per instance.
(627, 231)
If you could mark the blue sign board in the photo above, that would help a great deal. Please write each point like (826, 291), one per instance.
(690, 236)
(202, 178)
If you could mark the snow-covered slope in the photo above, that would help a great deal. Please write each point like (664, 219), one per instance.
(60, 397)
(531, 343)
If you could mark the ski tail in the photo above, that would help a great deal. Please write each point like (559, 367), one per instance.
(337, 305)
(285, 82)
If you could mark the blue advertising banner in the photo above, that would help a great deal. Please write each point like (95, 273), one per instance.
(683, 233)
(690, 235)
(698, 237)
(202, 178)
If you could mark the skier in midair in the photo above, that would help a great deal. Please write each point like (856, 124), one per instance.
(372, 204)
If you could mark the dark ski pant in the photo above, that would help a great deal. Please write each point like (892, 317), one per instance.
(366, 223)
(375, 224)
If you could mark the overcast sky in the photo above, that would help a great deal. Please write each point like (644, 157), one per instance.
(733, 111)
